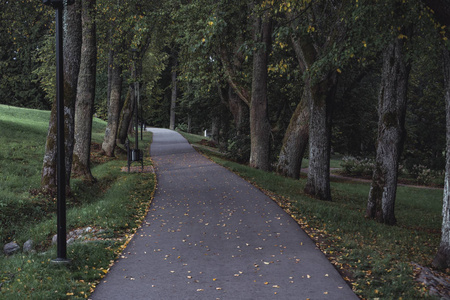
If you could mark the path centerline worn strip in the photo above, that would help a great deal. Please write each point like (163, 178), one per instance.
(211, 235)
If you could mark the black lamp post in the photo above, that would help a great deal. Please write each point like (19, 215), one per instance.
(61, 166)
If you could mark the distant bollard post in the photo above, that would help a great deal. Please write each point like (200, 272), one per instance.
(61, 166)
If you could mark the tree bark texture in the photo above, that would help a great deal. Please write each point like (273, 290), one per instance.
(391, 134)
(442, 258)
(72, 53)
(173, 100)
(322, 93)
(215, 128)
(259, 120)
(239, 110)
(109, 141)
(296, 138)
(85, 93)
(322, 96)
(126, 116)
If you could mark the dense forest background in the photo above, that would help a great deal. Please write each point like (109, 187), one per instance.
(193, 32)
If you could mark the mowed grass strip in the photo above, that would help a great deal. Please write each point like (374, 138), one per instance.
(375, 259)
(116, 204)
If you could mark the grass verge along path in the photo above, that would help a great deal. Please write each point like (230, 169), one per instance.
(111, 210)
(376, 259)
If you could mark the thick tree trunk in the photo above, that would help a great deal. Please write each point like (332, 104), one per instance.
(109, 142)
(85, 94)
(322, 96)
(126, 116)
(391, 134)
(173, 100)
(72, 53)
(442, 258)
(259, 120)
(296, 138)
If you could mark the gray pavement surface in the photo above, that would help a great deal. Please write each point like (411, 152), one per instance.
(211, 235)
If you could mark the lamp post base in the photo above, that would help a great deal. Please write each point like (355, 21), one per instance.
(60, 261)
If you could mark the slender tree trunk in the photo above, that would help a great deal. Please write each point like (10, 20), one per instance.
(126, 116)
(391, 134)
(442, 258)
(215, 128)
(72, 53)
(173, 101)
(109, 142)
(189, 123)
(322, 93)
(239, 110)
(296, 138)
(85, 94)
(259, 120)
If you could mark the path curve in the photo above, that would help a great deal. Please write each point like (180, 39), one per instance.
(211, 235)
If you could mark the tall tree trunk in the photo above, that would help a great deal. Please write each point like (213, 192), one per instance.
(391, 134)
(215, 128)
(189, 124)
(442, 258)
(109, 141)
(239, 110)
(72, 53)
(322, 96)
(173, 100)
(296, 137)
(259, 120)
(85, 94)
(126, 116)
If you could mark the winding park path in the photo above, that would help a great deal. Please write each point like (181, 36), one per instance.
(211, 235)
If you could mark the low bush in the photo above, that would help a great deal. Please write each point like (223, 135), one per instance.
(353, 166)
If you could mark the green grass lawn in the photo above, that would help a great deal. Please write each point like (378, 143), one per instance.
(115, 204)
(374, 258)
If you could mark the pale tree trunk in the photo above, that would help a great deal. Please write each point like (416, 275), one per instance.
(295, 140)
(173, 100)
(296, 136)
(322, 96)
(442, 258)
(391, 134)
(72, 53)
(109, 141)
(85, 94)
(126, 116)
(259, 120)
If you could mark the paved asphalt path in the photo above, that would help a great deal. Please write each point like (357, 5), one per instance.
(211, 235)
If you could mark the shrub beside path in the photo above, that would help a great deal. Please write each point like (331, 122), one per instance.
(211, 235)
